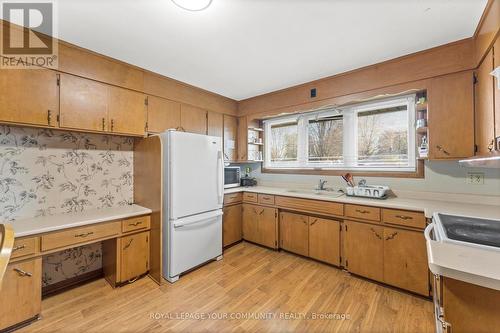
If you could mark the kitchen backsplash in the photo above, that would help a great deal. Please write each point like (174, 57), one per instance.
(45, 172)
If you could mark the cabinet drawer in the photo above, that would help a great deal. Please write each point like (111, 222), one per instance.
(249, 197)
(79, 235)
(307, 205)
(403, 217)
(24, 247)
(233, 198)
(363, 212)
(266, 199)
(136, 223)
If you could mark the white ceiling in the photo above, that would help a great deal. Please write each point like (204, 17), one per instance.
(243, 48)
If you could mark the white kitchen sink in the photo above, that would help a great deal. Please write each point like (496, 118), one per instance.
(332, 194)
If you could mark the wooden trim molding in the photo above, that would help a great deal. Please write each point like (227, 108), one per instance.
(6, 245)
(487, 31)
(419, 173)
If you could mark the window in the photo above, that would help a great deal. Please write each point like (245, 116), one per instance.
(378, 136)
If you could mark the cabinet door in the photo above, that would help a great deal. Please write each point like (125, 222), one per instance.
(242, 139)
(134, 254)
(84, 104)
(215, 124)
(21, 294)
(484, 106)
(450, 115)
(250, 223)
(231, 225)
(405, 260)
(324, 240)
(230, 135)
(193, 119)
(29, 96)
(496, 63)
(268, 226)
(127, 111)
(294, 233)
(364, 249)
(163, 114)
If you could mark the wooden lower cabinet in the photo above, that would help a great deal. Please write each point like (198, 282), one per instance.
(20, 297)
(231, 225)
(364, 248)
(405, 260)
(324, 240)
(126, 258)
(294, 233)
(470, 308)
(260, 225)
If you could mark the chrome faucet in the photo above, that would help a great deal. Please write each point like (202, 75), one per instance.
(321, 185)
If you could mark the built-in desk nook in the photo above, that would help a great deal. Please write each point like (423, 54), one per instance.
(123, 231)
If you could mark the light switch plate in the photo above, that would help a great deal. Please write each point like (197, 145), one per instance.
(475, 178)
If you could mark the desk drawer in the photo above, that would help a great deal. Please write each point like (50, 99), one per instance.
(266, 199)
(314, 206)
(249, 197)
(136, 223)
(24, 247)
(233, 198)
(79, 235)
(404, 217)
(363, 212)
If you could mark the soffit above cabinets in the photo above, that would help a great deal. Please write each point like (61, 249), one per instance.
(241, 49)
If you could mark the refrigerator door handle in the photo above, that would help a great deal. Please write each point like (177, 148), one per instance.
(220, 185)
(199, 219)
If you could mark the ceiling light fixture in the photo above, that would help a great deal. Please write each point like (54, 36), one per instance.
(193, 5)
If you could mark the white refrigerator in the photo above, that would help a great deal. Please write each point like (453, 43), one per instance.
(192, 203)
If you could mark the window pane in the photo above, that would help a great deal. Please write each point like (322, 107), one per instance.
(383, 137)
(284, 142)
(325, 140)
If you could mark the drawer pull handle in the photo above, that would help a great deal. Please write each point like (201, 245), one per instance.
(391, 236)
(313, 222)
(85, 235)
(128, 244)
(20, 247)
(362, 211)
(23, 273)
(135, 224)
(403, 217)
(377, 235)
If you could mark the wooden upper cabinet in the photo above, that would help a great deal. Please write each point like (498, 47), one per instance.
(405, 260)
(364, 247)
(324, 240)
(84, 104)
(29, 97)
(163, 114)
(294, 233)
(193, 119)
(451, 115)
(127, 111)
(230, 137)
(484, 106)
(242, 139)
(215, 124)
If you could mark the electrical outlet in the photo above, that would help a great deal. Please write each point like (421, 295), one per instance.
(475, 178)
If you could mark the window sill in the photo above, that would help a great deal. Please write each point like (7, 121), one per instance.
(419, 173)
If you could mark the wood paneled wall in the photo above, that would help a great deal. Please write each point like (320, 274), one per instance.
(445, 59)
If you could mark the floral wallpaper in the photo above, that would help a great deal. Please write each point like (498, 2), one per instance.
(45, 172)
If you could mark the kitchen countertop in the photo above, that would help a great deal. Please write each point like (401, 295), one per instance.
(42, 224)
(427, 206)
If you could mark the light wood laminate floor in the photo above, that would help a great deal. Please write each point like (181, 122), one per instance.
(250, 281)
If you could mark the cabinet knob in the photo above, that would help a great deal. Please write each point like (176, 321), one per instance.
(85, 234)
(128, 244)
(440, 148)
(49, 117)
(491, 146)
(376, 234)
(362, 211)
(391, 236)
(313, 222)
(103, 124)
(404, 217)
(112, 124)
(17, 248)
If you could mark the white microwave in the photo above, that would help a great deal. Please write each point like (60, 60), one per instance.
(232, 177)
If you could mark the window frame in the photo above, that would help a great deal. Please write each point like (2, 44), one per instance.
(350, 135)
